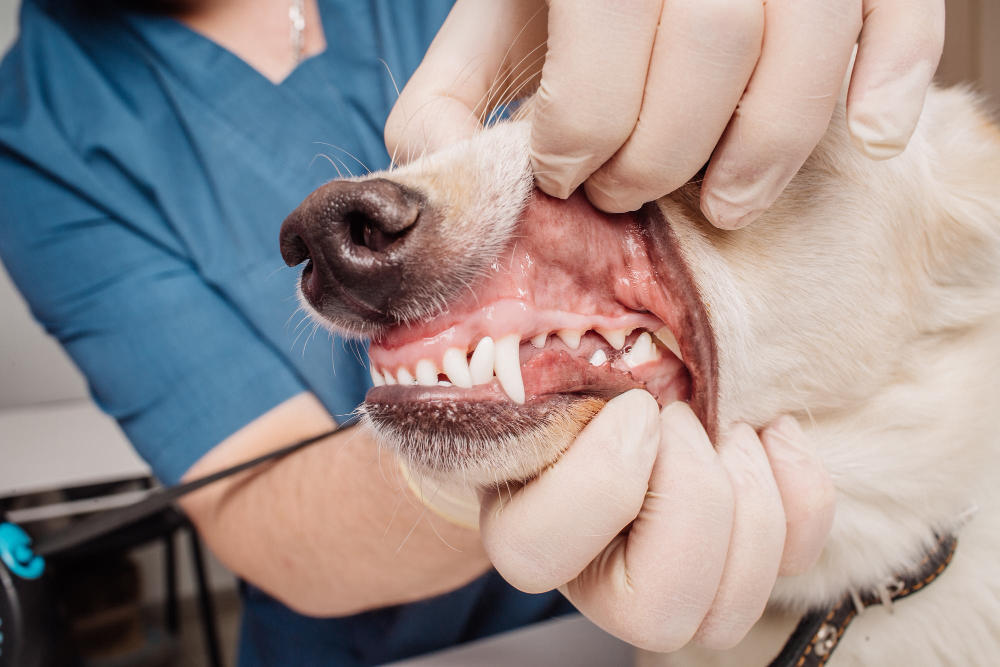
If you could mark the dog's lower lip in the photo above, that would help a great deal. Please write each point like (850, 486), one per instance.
(415, 393)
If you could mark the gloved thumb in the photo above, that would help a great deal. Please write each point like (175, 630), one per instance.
(545, 533)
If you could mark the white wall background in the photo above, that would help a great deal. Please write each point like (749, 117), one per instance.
(8, 15)
(33, 368)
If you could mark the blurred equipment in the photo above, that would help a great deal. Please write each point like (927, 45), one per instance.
(37, 619)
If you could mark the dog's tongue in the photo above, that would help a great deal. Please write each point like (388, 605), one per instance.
(571, 273)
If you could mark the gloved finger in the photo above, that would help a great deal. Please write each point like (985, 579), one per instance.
(591, 87)
(480, 56)
(755, 546)
(807, 494)
(702, 58)
(898, 53)
(786, 107)
(653, 586)
(546, 532)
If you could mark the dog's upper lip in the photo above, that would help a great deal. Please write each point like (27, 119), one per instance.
(639, 267)
(335, 298)
(691, 320)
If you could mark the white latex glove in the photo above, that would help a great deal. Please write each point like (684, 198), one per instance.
(635, 97)
(657, 537)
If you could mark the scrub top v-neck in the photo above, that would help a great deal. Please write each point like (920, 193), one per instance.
(144, 174)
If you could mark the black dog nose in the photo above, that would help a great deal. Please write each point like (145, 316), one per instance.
(356, 238)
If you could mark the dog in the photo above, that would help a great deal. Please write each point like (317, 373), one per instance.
(865, 302)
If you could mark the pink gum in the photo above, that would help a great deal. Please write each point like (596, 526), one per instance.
(497, 320)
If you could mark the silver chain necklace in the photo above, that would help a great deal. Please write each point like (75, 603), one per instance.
(297, 28)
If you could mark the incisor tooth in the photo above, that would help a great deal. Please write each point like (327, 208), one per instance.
(404, 377)
(427, 373)
(643, 351)
(666, 337)
(615, 337)
(539, 340)
(598, 358)
(389, 379)
(481, 364)
(456, 367)
(570, 337)
(444, 383)
(507, 365)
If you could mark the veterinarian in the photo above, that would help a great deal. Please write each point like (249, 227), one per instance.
(148, 157)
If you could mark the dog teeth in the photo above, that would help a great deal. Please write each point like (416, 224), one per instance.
(570, 337)
(507, 365)
(666, 337)
(427, 373)
(456, 367)
(643, 351)
(481, 364)
(615, 337)
(404, 377)
(501, 359)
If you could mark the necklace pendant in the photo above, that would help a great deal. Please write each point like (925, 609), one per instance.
(297, 28)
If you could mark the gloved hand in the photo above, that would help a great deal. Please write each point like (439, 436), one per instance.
(657, 537)
(634, 97)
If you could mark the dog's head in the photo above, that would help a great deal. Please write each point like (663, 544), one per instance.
(501, 319)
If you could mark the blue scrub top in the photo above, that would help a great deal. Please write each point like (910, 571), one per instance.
(144, 174)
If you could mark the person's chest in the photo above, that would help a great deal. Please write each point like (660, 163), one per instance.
(212, 156)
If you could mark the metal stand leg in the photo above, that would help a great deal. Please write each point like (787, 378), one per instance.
(205, 603)
(170, 577)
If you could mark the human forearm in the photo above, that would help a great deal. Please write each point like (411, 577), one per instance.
(330, 530)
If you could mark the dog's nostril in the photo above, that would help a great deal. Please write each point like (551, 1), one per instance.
(376, 213)
(365, 233)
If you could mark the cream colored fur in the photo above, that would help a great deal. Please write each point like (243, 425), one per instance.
(866, 302)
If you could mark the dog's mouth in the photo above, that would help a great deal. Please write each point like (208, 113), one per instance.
(582, 306)
(530, 359)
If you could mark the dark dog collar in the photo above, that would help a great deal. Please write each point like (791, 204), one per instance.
(818, 633)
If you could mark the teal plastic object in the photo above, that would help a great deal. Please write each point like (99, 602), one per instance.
(16, 553)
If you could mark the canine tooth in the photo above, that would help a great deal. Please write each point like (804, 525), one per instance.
(377, 378)
(615, 337)
(481, 364)
(598, 358)
(456, 367)
(507, 365)
(539, 340)
(571, 337)
(389, 379)
(427, 373)
(404, 377)
(666, 336)
(643, 351)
